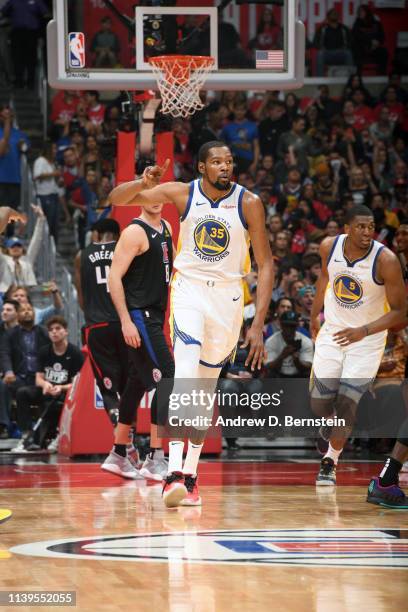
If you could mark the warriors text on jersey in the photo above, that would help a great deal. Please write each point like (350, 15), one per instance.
(96, 260)
(354, 295)
(213, 241)
(146, 281)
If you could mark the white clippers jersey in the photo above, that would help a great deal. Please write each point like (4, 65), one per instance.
(353, 297)
(213, 241)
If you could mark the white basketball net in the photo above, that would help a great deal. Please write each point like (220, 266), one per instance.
(180, 78)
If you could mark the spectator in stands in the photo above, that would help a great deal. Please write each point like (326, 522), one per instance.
(332, 228)
(367, 36)
(9, 319)
(311, 268)
(103, 205)
(396, 108)
(269, 34)
(91, 159)
(320, 211)
(281, 246)
(26, 22)
(333, 41)
(95, 110)
(298, 143)
(9, 315)
(355, 81)
(17, 267)
(111, 123)
(361, 186)
(394, 80)
(80, 121)
(400, 150)
(363, 113)
(229, 100)
(283, 167)
(381, 164)
(275, 225)
(209, 130)
(45, 173)
(20, 294)
(63, 107)
(292, 104)
(230, 51)
(19, 356)
(13, 143)
(288, 273)
(289, 192)
(400, 172)
(326, 188)
(314, 122)
(289, 353)
(326, 105)
(57, 364)
(105, 45)
(284, 304)
(383, 128)
(271, 128)
(304, 302)
(241, 135)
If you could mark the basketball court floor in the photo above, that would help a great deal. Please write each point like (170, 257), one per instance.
(265, 537)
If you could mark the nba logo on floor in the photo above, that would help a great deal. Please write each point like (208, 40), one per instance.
(76, 50)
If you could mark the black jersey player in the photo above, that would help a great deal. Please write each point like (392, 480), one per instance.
(139, 282)
(107, 350)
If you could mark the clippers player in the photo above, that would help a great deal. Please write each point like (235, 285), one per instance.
(108, 352)
(218, 217)
(139, 283)
(363, 293)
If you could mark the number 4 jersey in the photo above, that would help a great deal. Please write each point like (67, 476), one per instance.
(96, 260)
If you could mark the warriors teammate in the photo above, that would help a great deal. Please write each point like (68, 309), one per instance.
(139, 283)
(218, 217)
(360, 280)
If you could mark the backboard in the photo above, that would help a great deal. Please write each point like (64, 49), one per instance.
(105, 45)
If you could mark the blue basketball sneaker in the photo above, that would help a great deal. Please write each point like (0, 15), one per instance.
(387, 497)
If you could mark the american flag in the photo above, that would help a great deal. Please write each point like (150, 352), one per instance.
(269, 59)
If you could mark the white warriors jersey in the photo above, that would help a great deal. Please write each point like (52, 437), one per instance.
(354, 295)
(214, 241)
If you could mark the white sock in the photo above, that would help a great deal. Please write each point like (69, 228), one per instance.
(158, 453)
(192, 458)
(332, 453)
(176, 448)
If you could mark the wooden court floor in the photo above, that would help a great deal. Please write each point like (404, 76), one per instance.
(265, 539)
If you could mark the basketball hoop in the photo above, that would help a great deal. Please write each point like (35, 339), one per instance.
(180, 78)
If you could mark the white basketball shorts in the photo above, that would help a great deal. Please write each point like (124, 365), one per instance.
(352, 367)
(209, 314)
